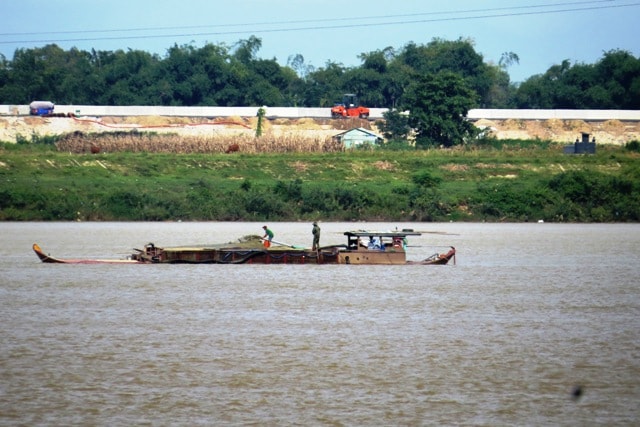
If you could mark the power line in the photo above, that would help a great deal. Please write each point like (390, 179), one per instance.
(483, 15)
(360, 18)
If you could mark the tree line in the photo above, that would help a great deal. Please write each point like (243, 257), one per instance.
(222, 75)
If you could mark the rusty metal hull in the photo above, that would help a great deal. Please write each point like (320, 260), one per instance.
(243, 256)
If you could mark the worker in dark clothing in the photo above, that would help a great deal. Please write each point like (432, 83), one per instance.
(316, 236)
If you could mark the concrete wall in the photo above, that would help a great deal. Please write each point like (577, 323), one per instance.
(587, 115)
(293, 112)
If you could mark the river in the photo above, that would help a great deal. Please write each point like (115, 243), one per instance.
(535, 324)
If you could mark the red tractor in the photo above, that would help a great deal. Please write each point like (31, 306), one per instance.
(349, 108)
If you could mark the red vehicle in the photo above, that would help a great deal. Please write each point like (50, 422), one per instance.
(349, 108)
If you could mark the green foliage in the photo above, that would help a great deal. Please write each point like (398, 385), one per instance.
(395, 125)
(506, 145)
(611, 83)
(397, 145)
(471, 184)
(438, 105)
(262, 205)
(236, 76)
(261, 113)
(289, 191)
(37, 139)
(425, 179)
(519, 201)
(633, 146)
(595, 195)
(428, 206)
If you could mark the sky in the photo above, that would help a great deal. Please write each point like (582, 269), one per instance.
(542, 33)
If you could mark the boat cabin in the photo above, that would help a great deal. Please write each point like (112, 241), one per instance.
(378, 240)
(376, 247)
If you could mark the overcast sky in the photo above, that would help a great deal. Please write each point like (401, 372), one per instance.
(541, 32)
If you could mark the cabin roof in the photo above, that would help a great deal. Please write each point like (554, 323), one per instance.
(358, 131)
(364, 233)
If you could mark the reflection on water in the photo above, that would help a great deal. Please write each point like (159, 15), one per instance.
(528, 313)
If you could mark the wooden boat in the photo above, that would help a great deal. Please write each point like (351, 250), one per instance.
(49, 259)
(438, 258)
(386, 248)
(363, 247)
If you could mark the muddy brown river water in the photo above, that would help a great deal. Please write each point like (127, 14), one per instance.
(535, 324)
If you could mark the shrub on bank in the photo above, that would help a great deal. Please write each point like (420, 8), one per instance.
(436, 185)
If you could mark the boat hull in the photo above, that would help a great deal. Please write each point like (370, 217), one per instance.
(372, 257)
(438, 259)
(51, 260)
(255, 255)
(243, 256)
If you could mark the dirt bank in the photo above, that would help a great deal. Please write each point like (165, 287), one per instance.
(605, 132)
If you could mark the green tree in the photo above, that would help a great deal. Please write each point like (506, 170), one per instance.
(457, 56)
(613, 82)
(81, 83)
(501, 92)
(128, 77)
(323, 86)
(618, 72)
(367, 84)
(27, 77)
(395, 126)
(395, 82)
(5, 72)
(438, 104)
(246, 50)
(369, 80)
(296, 63)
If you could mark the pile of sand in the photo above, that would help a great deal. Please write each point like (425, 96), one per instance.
(608, 132)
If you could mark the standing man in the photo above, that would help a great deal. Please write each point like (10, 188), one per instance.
(316, 237)
(268, 236)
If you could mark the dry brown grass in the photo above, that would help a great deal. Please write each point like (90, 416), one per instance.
(299, 166)
(172, 143)
(455, 168)
(383, 165)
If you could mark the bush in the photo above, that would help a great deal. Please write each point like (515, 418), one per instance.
(397, 145)
(426, 179)
(633, 146)
(511, 200)
(37, 139)
(428, 205)
(289, 191)
(597, 197)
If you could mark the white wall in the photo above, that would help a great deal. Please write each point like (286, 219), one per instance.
(589, 115)
(293, 112)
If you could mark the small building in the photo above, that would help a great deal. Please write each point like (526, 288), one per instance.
(358, 136)
(581, 147)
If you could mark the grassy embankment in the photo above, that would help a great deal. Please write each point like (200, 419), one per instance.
(516, 181)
